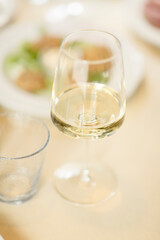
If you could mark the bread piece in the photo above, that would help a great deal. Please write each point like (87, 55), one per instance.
(31, 81)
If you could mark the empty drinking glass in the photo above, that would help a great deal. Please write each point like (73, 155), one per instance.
(22, 142)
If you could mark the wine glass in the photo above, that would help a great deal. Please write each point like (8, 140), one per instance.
(88, 102)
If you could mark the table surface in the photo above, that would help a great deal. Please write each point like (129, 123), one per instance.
(133, 153)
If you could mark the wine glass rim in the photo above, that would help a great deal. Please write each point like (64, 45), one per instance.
(102, 61)
(29, 117)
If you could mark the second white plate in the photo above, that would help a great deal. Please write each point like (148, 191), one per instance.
(140, 25)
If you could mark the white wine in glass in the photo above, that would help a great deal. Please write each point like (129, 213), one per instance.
(88, 101)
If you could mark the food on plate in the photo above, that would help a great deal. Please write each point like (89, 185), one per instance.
(152, 12)
(94, 53)
(47, 42)
(98, 73)
(31, 67)
(48, 58)
(31, 81)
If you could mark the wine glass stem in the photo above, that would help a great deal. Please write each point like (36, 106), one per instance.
(87, 154)
(85, 176)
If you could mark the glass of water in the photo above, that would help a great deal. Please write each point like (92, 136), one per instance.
(23, 140)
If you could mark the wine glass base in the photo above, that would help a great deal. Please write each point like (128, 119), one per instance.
(85, 187)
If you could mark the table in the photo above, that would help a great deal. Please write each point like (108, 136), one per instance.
(133, 152)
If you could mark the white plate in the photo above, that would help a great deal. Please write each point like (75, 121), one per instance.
(140, 25)
(133, 67)
(19, 100)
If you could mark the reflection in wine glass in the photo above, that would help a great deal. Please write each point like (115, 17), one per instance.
(88, 102)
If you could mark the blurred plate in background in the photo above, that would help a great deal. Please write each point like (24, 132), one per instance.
(36, 104)
(139, 24)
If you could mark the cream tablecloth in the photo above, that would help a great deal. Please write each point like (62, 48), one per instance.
(133, 153)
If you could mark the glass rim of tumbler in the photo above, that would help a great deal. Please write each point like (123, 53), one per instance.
(29, 117)
(102, 61)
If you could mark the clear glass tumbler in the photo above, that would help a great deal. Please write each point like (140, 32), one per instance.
(22, 142)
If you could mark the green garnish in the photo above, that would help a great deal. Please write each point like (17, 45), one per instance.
(98, 77)
(26, 56)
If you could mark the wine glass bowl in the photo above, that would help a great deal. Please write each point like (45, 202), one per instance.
(88, 101)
